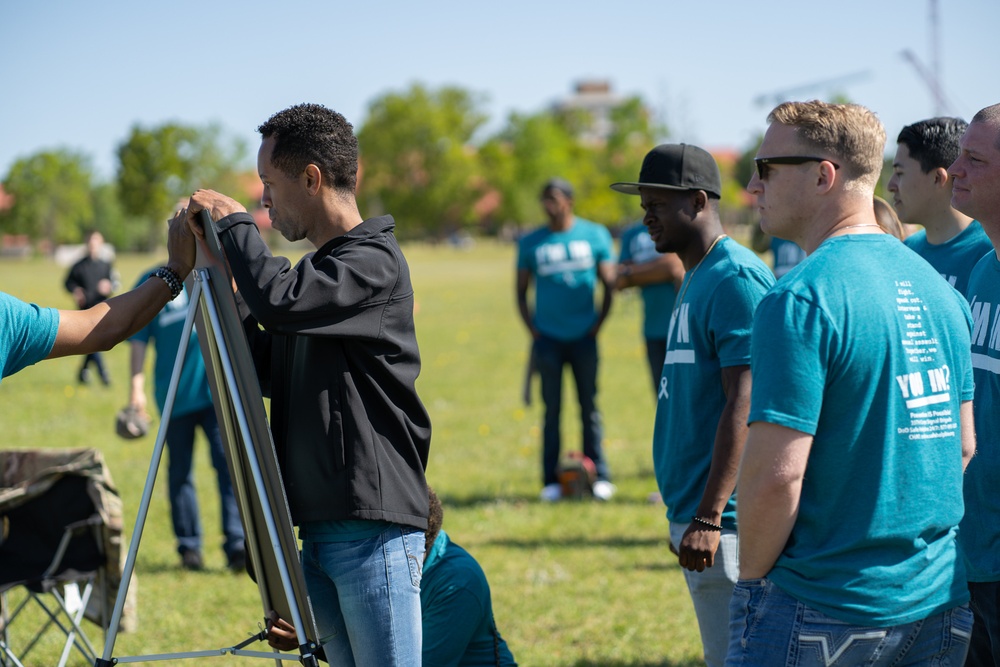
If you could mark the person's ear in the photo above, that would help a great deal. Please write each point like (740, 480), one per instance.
(827, 176)
(700, 201)
(313, 179)
(941, 177)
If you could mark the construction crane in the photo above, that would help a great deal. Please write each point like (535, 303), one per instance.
(932, 75)
(779, 96)
(941, 105)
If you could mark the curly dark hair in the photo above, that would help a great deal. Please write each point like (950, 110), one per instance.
(933, 142)
(312, 134)
(434, 520)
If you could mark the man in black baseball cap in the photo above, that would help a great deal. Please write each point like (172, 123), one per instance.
(704, 391)
(677, 167)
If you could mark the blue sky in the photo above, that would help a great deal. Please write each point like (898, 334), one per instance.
(79, 75)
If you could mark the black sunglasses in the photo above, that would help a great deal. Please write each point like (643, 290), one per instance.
(764, 162)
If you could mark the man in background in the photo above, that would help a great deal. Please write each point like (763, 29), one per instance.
(921, 193)
(91, 281)
(565, 260)
(192, 408)
(976, 193)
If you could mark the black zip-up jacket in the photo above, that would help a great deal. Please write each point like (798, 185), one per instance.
(338, 357)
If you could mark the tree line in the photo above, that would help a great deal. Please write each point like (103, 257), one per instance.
(425, 158)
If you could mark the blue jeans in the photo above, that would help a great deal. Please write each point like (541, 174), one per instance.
(985, 647)
(365, 595)
(768, 627)
(180, 479)
(581, 355)
(711, 592)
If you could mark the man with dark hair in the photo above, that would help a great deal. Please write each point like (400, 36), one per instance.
(704, 391)
(91, 281)
(976, 192)
(860, 421)
(334, 346)
(565, 260)
(951, 241)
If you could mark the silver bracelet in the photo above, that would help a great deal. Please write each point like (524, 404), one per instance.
(170, 277)
(707, 523)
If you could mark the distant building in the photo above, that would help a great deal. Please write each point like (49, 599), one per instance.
(595, 97)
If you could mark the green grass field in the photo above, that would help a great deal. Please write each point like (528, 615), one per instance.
(575, 583)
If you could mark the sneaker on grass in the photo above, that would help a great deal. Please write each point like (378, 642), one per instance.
(551, 493)
(603, 489)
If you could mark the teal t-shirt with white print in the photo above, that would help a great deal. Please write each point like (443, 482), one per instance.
(865, 348)
(564, 265)
(709, 330)
(954, 258)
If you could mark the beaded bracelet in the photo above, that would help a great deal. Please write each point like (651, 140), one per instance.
(707, 523)
(170, 277)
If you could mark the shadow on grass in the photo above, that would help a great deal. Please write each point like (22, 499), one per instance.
(466, 502)
(576, 541)
(616, 663)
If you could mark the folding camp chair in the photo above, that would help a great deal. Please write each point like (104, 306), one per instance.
(60, 539)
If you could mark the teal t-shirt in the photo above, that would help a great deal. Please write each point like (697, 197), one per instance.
(564, 265)
(349, 530)
(865, 348)
(979, 533)
(657, 299)
(27, 333)
(954, 258)
(786, 256)
(457, 611)
(165, 332)
(709, 330)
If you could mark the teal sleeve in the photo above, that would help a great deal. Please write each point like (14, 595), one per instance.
(731, 317)
(791, 343)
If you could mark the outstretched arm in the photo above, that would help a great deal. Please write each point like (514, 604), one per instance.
(103, 326)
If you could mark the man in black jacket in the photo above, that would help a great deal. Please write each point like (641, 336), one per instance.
(334, 347)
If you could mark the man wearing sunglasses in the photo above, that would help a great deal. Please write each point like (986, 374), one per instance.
(921, 194)
(976, 192)
(850, 487)
(704, 390)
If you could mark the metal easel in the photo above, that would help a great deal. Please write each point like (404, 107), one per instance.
(268, 531)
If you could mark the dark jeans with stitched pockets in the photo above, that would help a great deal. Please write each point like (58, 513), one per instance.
(770, 628)
(580, 355)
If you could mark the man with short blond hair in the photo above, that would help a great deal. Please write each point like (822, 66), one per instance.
(864, 378)
(976, 192)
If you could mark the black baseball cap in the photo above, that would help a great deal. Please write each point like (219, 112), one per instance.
(676, 167)
(559, 184)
